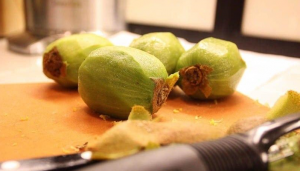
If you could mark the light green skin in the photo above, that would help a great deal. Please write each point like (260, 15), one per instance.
(114, 79)
(163, 45)
(73, 50)
(288, 103)
(225, 60)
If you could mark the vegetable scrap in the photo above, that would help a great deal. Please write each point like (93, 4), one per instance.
(286, 104)
(24, 119)
(66, 151)
(215, 122)
(152, 145)
(133, 136)
(245, 124)
(104, 117)
(76, 148)
(74, 109)
(81, 147)
(117, 122)
(139, 113)
(177, 110)
(198, 117)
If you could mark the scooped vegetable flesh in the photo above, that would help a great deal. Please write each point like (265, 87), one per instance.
(288, 103)
(163, 45)
(114, 79)
(62, 58)
(211, 69)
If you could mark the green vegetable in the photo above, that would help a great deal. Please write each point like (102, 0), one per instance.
(114, 79)
(63, 57)
(211, 69)
(289, 103)
(163, 45)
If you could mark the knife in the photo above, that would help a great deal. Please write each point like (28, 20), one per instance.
(239, 152)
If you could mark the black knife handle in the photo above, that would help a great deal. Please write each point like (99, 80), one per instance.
(230, 154)
(226, 154)
(170, 158)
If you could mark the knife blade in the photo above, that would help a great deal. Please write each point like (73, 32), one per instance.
(49, 163)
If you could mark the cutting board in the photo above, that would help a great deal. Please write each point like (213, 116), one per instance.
(43, 119)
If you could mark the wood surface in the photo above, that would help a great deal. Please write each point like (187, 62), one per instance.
(43, 119)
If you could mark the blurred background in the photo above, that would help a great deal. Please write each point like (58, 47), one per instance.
(266, 32)
(266, 26)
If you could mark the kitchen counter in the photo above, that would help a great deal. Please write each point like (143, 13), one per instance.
(266, 78)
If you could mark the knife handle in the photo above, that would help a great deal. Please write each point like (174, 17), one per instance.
(226, 154)
(231, 153)
(170, 158)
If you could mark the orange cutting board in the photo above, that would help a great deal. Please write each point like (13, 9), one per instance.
(43, 119)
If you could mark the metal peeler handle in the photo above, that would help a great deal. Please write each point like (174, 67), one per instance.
(247, 151)
(266, 134)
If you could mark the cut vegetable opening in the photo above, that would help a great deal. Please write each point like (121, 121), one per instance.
(160, 94)
(195, 78)
(53, 63)
(162, 90)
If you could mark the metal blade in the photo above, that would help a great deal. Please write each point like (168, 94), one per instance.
(48, 163)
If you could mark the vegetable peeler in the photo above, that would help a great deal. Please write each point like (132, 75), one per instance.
(238, 152)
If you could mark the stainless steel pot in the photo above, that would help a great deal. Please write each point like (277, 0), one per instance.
(47, 20)
(47, 17)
